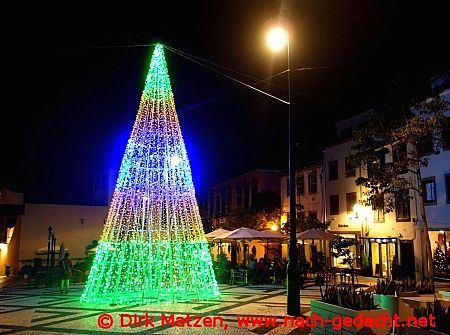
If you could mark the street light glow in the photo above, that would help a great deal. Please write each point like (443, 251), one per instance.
(277, 38)
(274, 227)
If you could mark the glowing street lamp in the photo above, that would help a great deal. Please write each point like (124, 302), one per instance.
(277, 39)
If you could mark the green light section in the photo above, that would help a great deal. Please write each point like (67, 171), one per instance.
(153, 246)
(157, 84)
(135, 271)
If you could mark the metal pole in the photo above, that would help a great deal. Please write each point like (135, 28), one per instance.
(48, 244)
(293, 271)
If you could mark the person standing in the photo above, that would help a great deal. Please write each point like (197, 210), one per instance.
(66, 273)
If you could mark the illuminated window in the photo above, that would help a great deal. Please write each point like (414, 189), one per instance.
(429, 191)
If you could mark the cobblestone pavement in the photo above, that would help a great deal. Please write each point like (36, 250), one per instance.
(26, 310)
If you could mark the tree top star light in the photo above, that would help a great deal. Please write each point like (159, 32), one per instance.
(153, 246)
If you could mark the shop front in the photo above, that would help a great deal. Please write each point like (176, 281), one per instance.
(389, 257)
(380, 253)
(440, 249)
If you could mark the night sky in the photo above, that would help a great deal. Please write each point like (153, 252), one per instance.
(73, 81)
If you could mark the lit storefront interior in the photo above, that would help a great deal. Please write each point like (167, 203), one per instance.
(440, 239)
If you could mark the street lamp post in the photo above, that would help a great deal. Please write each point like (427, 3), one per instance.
(278, 38)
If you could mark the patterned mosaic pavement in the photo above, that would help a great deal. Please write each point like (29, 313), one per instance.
(26, 310)
(42, 311)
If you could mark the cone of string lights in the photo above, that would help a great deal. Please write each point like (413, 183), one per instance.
(153, 246)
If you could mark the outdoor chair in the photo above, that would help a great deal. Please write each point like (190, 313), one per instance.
(238, 277)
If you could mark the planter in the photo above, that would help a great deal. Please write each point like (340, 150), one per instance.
(445, 295)
(394, 304)
(421, 331)
(328, 312)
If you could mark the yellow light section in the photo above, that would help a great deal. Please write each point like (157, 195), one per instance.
(274, 227)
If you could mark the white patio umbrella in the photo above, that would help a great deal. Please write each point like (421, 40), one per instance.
(210, 236)
(216, 233)
(250, 234)
(315, 234)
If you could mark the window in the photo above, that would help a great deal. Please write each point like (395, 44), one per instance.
(377, 165)
(217, 207)
(445, 134)
(312, 215)
(399, 156)
(254, 191)
(223, 199)
(350, 170)
(211, 205)
(402, 210)
(239, 196)
(334, 204)
(301, 185)
(378, 214)
(229, 200)
(246, 196)
(333, 170)
(351, 201)
(429, 191)
(378, 208)
(312, 182)
(447, 186)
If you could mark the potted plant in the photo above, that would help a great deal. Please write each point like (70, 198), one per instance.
(386, 295)
(346, 302)
(365, 266)
(441, 315)
(425, 287)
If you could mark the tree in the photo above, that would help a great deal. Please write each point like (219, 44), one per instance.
(410, 132)
(265, 210)
(153, 246)
(440, 262)
(340, 247)
(310, 222)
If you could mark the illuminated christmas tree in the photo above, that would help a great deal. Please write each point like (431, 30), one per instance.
(440, 262)
(153, 246)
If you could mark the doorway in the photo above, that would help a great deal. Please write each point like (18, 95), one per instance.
(382, 252)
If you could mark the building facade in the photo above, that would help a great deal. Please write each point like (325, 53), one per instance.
(239, 193)
(11, 212)
(436, 184)
(309, 193)
(76, 226)
(381, 237)
(398, 236)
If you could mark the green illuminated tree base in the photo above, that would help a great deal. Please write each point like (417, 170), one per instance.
(149, 277)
